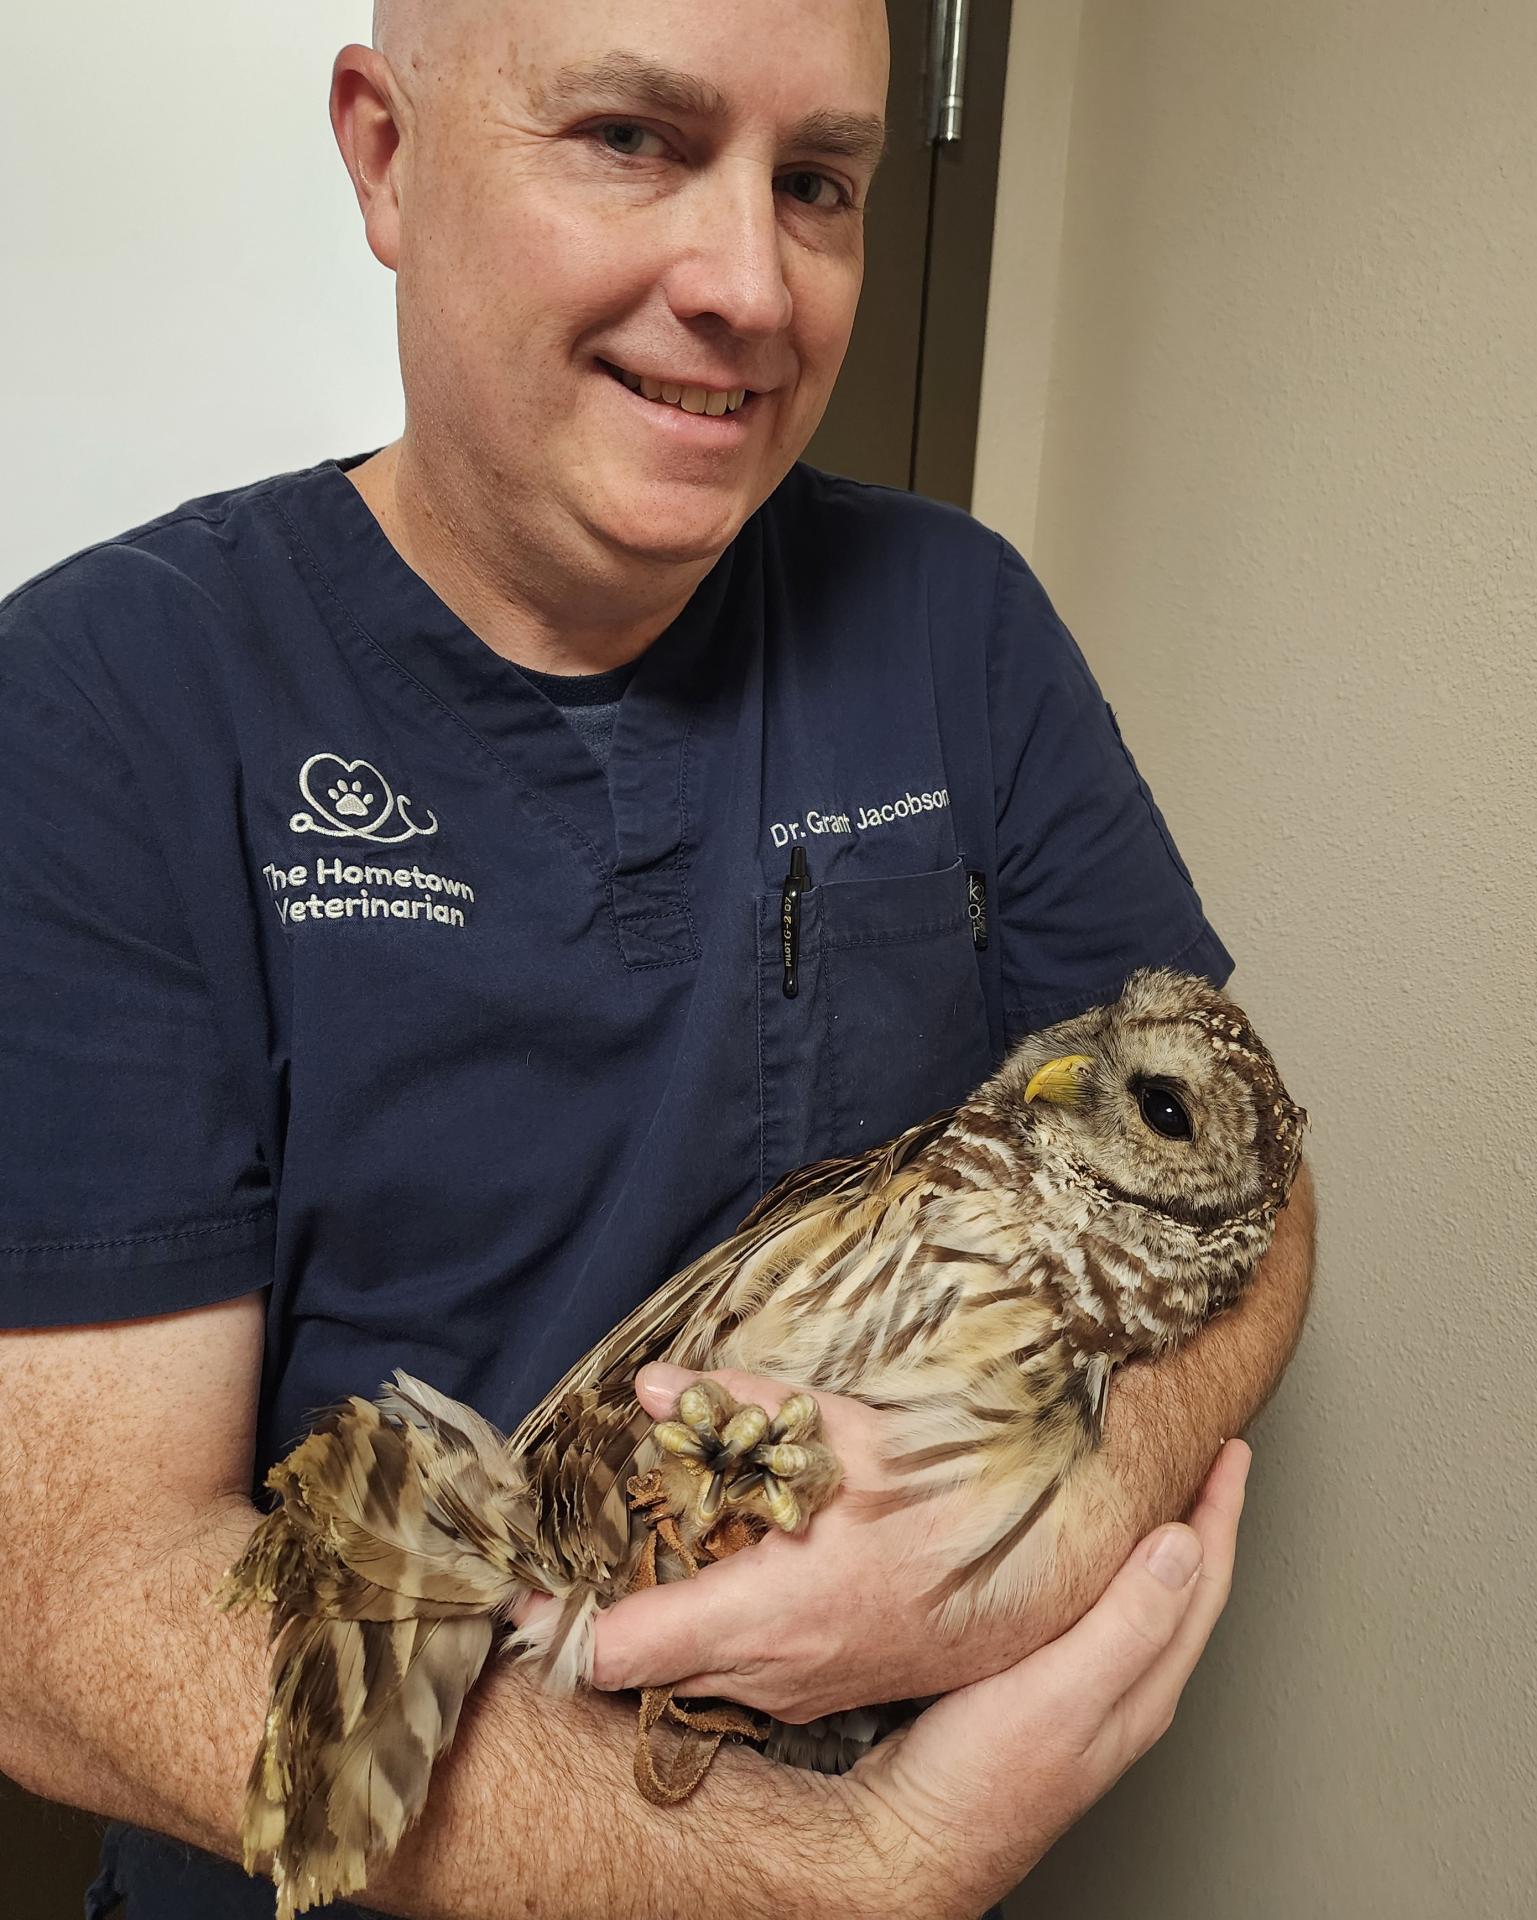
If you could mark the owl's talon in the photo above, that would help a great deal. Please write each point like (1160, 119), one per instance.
(780, 1504)
(705, 1407)
(797, 1419)
(743, 1431)
(774, 1472)
(784, 1461)
(679, 1439)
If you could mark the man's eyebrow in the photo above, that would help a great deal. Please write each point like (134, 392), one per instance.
(856, 136)
(853, 136)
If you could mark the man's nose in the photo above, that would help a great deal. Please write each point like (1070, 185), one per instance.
(730, 259)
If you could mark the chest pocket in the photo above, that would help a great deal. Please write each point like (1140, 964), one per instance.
(888, 1023)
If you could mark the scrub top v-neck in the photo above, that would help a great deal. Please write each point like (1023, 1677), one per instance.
(623, 827)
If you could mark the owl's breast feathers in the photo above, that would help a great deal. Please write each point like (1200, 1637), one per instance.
(944, 1277)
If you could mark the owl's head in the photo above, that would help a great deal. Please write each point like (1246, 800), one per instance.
(1166, 1097)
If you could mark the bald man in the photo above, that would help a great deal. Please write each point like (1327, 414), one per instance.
(394, 855)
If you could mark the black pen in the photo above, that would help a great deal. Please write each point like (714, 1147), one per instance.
(796, 882)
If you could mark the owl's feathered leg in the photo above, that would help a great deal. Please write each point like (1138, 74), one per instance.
(720, 1455)
(728, 1474)
(666, 1782)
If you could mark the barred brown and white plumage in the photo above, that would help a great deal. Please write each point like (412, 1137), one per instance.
(978, 1279)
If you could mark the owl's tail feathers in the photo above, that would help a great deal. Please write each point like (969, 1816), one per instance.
(838, 1742)
(387, 1511)
(402, 1533)
(360, 1712)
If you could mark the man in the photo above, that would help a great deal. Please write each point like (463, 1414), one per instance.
(396, 855)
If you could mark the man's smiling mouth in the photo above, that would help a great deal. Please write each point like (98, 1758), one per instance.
(713, 401)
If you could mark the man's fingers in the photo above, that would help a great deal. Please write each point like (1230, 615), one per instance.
(657, 1388)
(1085, 1673)
(1056, 1707)
(1133, 1651)
(1149, 1702)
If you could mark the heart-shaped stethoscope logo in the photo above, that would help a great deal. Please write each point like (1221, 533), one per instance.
(352, 800)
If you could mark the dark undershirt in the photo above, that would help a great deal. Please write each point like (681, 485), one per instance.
(588, 701)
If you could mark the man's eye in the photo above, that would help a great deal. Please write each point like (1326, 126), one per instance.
(807, 187)
(625, 138)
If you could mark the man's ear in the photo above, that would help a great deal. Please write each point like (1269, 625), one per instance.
(365, 108)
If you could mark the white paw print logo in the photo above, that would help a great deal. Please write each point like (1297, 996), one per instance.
(352, 800)
(349, 799)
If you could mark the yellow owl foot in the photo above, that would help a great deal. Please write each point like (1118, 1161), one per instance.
(736, 1457)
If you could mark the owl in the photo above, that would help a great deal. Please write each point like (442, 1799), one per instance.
(978, 1279)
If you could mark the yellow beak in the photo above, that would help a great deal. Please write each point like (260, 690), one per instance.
(1060, 1081)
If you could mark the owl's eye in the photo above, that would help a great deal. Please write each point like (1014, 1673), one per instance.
(1163, 1112)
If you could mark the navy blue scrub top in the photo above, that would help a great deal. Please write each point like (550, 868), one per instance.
(336, 964)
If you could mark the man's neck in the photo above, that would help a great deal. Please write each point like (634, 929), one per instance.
(554, 625)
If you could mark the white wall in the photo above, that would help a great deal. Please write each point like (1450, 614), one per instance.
(1280, 474)
(186, 298)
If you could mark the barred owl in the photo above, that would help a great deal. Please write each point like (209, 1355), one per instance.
(979, 1278)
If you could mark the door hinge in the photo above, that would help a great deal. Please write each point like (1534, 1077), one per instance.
(948, 22)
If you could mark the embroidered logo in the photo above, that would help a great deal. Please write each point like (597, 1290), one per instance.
(352, 800)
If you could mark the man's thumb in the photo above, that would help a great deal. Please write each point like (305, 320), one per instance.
(657, 1388)
(1126, 1631)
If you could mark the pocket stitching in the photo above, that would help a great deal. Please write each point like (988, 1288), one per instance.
(895, 936)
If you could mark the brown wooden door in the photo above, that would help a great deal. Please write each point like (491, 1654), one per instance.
(904, 412)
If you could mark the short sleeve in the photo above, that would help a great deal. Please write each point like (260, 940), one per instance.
(131, 1182)
(1090, 885)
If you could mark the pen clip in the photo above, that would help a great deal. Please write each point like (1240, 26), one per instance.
(796, 882)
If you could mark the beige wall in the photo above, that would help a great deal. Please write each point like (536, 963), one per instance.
(1261, 406)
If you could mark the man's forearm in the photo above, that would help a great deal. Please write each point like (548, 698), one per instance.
(151, 1712)
(1166, 1419)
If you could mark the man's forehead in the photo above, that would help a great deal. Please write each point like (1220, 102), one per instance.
(406, 30)
(584, 45)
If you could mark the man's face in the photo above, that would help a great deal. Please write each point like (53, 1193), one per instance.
(659, 189)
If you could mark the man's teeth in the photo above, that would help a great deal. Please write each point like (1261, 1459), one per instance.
(691, 399)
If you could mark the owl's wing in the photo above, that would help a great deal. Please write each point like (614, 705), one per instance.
(584, 1440)
(388, 1510)
(853, 1175)
(656, 1325)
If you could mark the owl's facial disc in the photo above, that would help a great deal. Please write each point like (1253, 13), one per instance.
(1168, 1097)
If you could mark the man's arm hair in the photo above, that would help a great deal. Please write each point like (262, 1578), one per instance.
(125, 1459)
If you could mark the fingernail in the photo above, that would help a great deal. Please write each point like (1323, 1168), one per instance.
(1175, 1557)
(661, 1378)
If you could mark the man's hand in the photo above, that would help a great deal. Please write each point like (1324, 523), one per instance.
(807, 1624)
(973, 1794)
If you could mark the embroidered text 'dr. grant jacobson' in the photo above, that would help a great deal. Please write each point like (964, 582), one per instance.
(784, 833)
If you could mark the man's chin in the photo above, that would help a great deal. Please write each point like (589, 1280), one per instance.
(666, 532)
